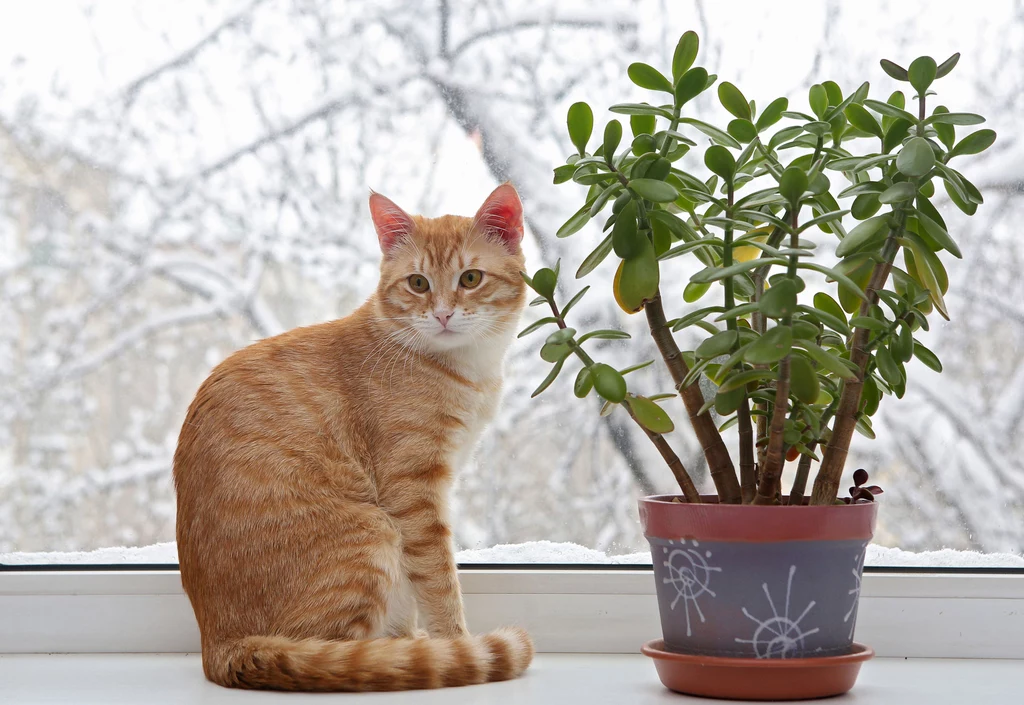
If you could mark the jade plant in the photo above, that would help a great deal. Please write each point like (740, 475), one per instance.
(818, 241)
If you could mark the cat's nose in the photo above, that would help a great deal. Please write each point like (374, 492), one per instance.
(444, 317)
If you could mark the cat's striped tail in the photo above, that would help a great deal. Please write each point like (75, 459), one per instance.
(280, 663)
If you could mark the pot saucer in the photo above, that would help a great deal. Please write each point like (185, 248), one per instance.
(757, 679)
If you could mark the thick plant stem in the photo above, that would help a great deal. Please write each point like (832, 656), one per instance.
(760, 325)
(667, 454)
(826, 484)
(673, 462)
(720, 464)
(769, 480)
(769, 485)
(796, 494)
(748, 483)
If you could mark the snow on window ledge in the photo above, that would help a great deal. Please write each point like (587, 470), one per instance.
(531, 552)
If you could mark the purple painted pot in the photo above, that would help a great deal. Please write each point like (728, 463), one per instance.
(757, 582)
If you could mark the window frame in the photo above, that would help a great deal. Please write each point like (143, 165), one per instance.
(578, 609)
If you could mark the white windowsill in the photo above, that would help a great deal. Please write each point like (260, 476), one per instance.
(596, 679)
(566, 611)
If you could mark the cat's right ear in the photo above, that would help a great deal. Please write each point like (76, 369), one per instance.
(391, 222)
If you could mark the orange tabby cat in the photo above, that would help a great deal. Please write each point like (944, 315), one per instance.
(312, 472)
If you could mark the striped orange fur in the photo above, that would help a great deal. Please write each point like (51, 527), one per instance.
(312, 471)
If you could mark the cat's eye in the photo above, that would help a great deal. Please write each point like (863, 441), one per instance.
(471, 278)
(419, 283)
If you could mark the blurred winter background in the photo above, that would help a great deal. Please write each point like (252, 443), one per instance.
(180, 179)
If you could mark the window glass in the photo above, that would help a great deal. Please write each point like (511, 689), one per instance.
(178, 180)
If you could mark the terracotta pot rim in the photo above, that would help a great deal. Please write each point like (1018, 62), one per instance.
(664, 519)
(655, 648)
(711, 500)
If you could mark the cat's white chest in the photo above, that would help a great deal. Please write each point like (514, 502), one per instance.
(479, 410)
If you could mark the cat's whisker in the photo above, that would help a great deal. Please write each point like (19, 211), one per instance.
(396, 339)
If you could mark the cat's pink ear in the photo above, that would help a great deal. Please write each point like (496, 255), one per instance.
(501, 216)
(391, 222)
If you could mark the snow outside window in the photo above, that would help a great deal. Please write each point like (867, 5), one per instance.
(180, 179)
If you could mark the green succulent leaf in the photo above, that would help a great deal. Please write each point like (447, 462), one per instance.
(561, 336)
(945, 133)
(648, 77)
(954, 119)
(803, 380)
(694, 291)
(946, 66)
(771, 347)
(720, 136)
(902, 191)
(692, 84)
(713, 274)
(894, 70)
(574, 300)
(685, 54)
(654, 190)
(650, 415)
(895, 134)
(959, 199)
(595, 258)
(633, 368)
(544, 282)
(608, 382)
(793, 184)
(974, 143)
(939, 234)
(626, 240)
(818, 99)
(921, 73)
(554, 352)
(833, 363)
(537, 324)
(580, 122)
(926, 356)
(742, 379)
(780, 300)
(584, 383)
(718, 344)
(865, 206)
(902, 347)
(552, 376)
(772, 114)
(604, 334)
(742, 129)
(640, 109)
(889, 110)
(863, 120)
(642, 124)
(869, 232)
(564, 173)
(916, 158)
(720, 161)
(887, 367)
(733, 101)
(575, 223)
(612, 137)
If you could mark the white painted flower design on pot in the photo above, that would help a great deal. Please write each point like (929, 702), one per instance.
(779, 635)
(690, 576)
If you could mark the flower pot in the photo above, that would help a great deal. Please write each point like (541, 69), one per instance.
(753, 582)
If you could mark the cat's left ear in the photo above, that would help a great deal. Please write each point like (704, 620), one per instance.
(391, 222)
(501, 216)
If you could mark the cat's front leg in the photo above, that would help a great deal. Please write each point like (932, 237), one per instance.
(429, 561)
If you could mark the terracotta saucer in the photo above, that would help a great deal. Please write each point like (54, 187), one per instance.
(757, 679)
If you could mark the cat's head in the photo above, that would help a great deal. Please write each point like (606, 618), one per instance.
(451, 282)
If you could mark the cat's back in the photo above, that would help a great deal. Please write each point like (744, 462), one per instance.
(281, 392)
